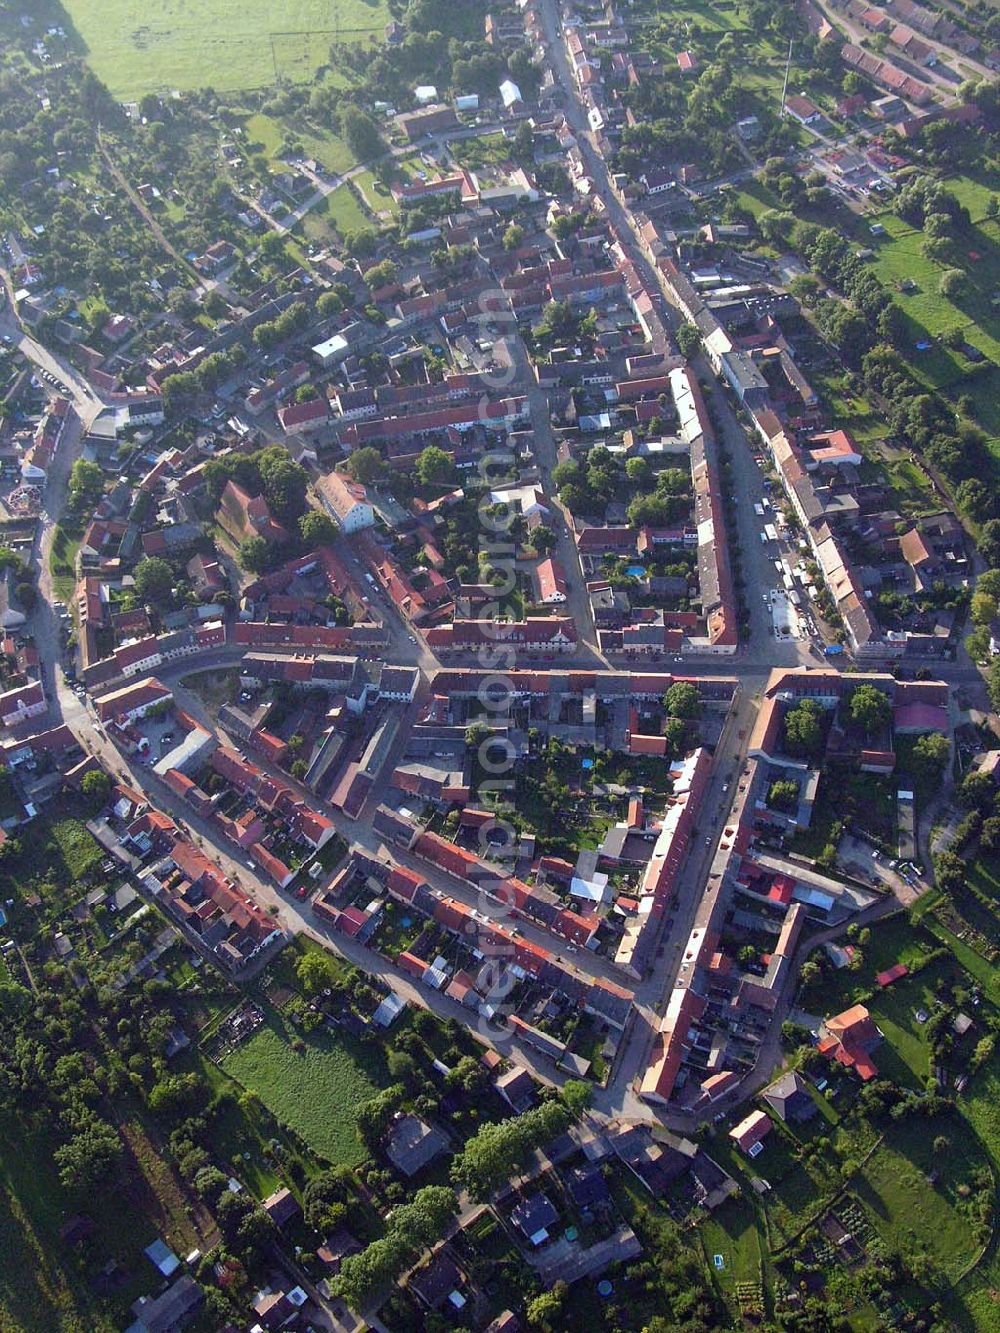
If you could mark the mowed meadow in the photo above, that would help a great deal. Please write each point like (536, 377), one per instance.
(136, 47)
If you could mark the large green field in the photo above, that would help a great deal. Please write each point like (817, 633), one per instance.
(916, 1195)
(315, 1089)
(136, 47)
(900, 258)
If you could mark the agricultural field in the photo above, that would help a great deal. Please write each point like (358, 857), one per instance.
(137, 48)
(313, 1083)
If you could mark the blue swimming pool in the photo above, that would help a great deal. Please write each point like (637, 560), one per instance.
(636, 571)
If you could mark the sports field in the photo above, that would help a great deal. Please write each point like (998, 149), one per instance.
(136, 47)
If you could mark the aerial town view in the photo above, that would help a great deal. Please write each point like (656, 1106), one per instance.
(499, 666)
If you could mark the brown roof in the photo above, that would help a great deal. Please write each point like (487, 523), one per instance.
(340, 494)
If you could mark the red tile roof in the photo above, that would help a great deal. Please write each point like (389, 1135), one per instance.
(892, 974)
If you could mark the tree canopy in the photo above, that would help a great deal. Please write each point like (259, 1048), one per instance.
(497, 1151)
(434, 467)
(682, 700)
(366, 465)
(411, 1227)
(154, 579)
(86, 482)
(870, 708)
(929, 756)
(317, 529)
(803, 730)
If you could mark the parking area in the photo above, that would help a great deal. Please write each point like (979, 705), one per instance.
(861, 859)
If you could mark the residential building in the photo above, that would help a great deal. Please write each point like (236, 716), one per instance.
(346, 501)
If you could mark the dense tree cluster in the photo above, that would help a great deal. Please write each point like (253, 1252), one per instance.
(410, 1229)
(804, 729)
(461, 63)
(929, 425)
(269, 472)
(499, 1150)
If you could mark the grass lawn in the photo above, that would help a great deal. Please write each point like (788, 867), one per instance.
(756, 198)
(975, 964)
(235, 1136)
(708, 18)
(266, 134)
(910, 1211)
(984, 873)
(892, 941)
(863, 797)
(984, 390)
(912, 487)
(282, 971)
(78, 850)
(345, 212)
(852, 411)
(39, 1290)
(923, 788)
(904, 1056)
(214, 688)
(913, 491)
(733, 1231)
(315, 1090)
(975, 1298)
(797, 1187)
(60, 849)
(379, 197)
(62, 560)
(137, 48)
(900, 257)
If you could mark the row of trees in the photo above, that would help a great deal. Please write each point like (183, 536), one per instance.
(410, 1229)
(433, 467)
(274, 331)
(181, 389)
(500, 1150)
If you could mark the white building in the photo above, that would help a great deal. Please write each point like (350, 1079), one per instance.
(510, 95)
(346, 502)
(332, 351)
